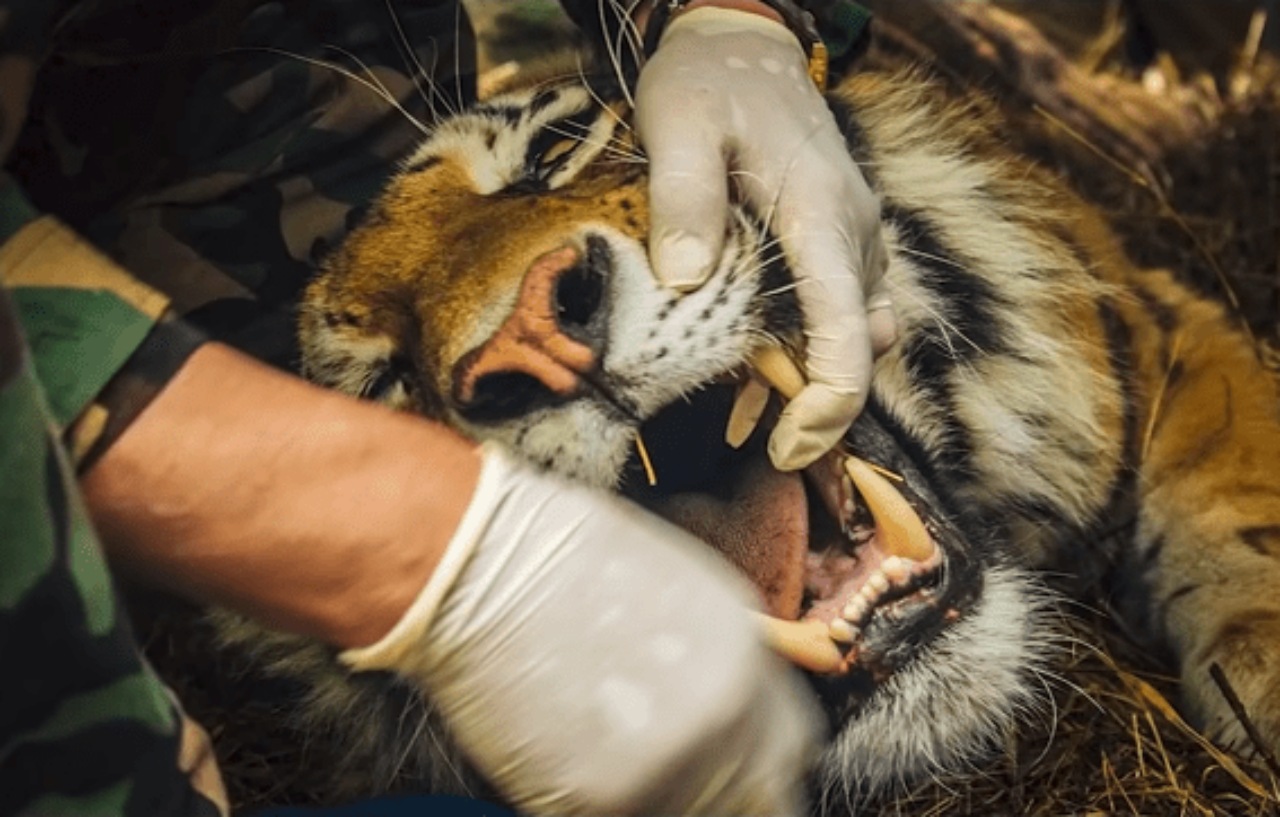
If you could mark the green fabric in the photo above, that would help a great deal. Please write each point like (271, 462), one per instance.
(79, 338)
(848, 23)
(24, 516)
(85, 726)
(106, 803)
(137, 697)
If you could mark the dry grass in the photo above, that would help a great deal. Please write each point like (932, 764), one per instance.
(1113, 743)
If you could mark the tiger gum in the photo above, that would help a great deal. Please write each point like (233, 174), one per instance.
(813, 644)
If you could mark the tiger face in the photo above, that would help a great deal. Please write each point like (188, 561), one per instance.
(501, 284)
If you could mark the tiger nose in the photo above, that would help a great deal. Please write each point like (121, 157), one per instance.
(555, 333)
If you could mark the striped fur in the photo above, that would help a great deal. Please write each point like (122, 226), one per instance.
(1075, 413)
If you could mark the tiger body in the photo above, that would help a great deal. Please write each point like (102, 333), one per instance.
(1062, 409)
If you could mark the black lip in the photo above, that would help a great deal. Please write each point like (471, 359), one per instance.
(890, 643)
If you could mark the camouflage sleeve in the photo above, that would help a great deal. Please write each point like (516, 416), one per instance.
(85, 318)
(85, 727)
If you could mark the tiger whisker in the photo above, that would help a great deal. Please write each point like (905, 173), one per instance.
(418, 71)
(615, 59)
(374, 84)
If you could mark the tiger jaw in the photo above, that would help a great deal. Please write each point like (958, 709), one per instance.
(885, 561)
(841, 603)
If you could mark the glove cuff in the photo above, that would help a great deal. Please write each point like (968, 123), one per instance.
(404, 640)
(785, 12)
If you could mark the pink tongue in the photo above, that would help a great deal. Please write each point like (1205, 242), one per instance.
(763, 529)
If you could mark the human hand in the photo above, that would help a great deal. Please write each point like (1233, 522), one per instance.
(728, 94)
(592, 659)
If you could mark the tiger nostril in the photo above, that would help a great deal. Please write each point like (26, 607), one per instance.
(553, 337)
(579, 293)
(505, 396)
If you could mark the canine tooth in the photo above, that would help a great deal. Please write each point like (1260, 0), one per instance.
(777, 369)
(904, 533)
(748, 408)
(806, 644)
(842, 631)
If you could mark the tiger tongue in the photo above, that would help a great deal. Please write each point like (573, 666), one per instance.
(763, 528)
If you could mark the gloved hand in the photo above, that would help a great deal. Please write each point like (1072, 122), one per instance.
(727, 93)
(592, 659)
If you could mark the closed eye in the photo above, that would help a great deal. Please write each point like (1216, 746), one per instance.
(551, 149)
(382, 383)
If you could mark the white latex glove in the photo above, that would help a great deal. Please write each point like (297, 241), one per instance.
(592, 659)
(727, 92)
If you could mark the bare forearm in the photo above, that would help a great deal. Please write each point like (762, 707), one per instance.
(312, 512)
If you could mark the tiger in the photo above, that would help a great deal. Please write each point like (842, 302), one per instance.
(1049, 407)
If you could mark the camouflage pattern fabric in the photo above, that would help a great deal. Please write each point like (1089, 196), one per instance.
(85, 728)
(212, 151)
(217, 149)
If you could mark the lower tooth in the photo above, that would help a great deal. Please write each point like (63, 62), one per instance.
(878, 582)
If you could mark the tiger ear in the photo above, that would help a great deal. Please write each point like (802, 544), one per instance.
(524, 74)
(497, 80)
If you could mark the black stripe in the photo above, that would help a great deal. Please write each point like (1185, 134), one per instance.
(543, 99)
(1165, 316)
(512, 114)
(971, 304)
(969, 328)
(1120, 514)
(1114, 530)
(1262, 539)
(422, 164)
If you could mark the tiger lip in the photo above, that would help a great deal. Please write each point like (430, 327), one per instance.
(910, 552)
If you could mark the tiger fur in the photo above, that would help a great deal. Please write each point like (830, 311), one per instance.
(1060, 408)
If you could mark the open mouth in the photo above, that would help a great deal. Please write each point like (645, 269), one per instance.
(849, 561)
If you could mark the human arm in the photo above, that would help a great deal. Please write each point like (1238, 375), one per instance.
(248, 488)
(588, 657)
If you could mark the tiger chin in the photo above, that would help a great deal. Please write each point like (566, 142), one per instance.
(1043, 394)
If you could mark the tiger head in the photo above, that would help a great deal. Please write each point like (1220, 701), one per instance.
(501, 284)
